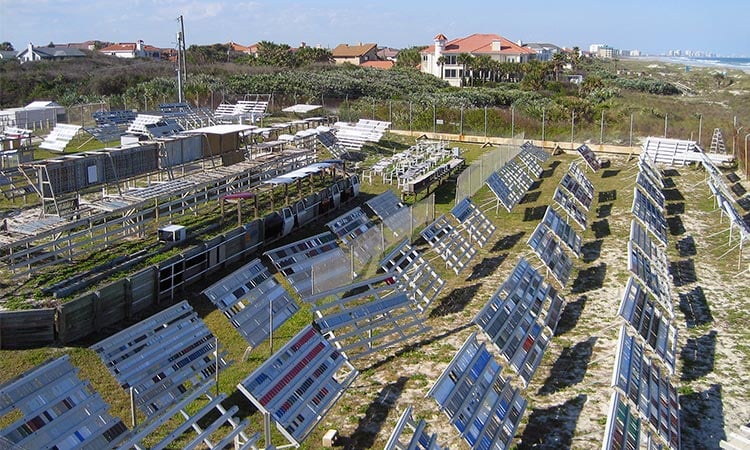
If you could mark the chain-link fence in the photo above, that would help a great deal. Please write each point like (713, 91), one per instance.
(628, 126)
(473, 177)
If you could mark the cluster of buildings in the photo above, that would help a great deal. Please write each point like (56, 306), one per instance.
(136, 49)
(440, 59)
(607, 52)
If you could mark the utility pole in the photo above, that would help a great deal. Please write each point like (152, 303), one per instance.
(181, 63)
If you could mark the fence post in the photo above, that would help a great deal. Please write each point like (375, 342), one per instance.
(461, 122)
(512, 121)
(666, 123)
(410, 116)
(601, 130)
(544, 111)
(485, 121)
(700, 127)
(434, 118)
(390, 111)
(572, 125)
(373, 108)
(630, 142)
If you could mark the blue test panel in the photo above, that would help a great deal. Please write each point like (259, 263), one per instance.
(580, 192)
(163, 357)
(249, 297)
(571, 208)
(623, 428)
(507, 197)
(538, 152)
(641, 239)
(588, 155)
(531, 163)
(648, 388)
(646, 317)
(480, 404)
(350, 225)
(550, 251)
(394, 214)
(367, 316)
(521, 318)
(576, 172)
(449, 244)
(300, 383)
(650, 189)
(646, 167)
(475, 222)
(56, 409)
(650, 215)
(655, 282)
(562, 229)
(413, 274)
(296, 261)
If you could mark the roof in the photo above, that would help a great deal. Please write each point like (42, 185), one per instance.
(43, 104)
(8, 54)
(387, 53)
(127, 47)
(235, 47)
(54, 52)
(352, 51)
(479, 43)
(378, 64)
(440, 37)
(542, 45)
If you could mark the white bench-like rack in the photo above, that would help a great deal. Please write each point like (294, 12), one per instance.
(679, 152)
(60, 137)
(138, 126)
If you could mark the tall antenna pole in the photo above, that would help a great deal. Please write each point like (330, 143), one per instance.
(184, 50)
(181, 64)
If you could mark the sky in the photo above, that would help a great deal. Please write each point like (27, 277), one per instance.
(653, 26)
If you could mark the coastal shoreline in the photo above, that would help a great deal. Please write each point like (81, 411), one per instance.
(703, 63)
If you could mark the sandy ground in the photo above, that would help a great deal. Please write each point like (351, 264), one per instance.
(569, 395)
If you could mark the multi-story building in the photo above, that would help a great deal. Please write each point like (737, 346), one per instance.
(442, 58)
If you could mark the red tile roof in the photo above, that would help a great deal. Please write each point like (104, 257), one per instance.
(378, 64)
(239, 47)
(481, 44)
(352, 51)
(128, 47)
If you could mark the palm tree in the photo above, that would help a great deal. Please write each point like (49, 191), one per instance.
(483, 64)
(465, 60)
(574, 58)
(441, 63)
(557, 63)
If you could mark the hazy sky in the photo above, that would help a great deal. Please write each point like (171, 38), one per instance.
(653, 26)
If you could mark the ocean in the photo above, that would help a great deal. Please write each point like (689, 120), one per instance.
(718, 62)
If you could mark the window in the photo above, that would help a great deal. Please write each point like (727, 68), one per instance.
(450, 73)
(424, 58)
(450, 59)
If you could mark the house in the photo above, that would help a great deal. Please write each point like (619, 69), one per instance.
(544, 51)
(32, 53)
(251, 50)
(387, 54)
(132, 50)
(8, 54)
(86, 45)
(496, 47)
(378, 64)
(355, 54)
